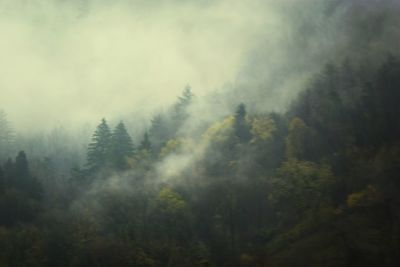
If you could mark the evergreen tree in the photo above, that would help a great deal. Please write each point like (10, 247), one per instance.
(21, 165)
(183, 102)
(6, 136)
(159, 132)
(121, 147)
(9, 170)
(23, 179)
(180, 112)
(98, 149)
(241, 127)
(145, 144)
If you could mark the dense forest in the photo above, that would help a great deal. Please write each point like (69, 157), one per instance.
(316, 185)
(283, 149)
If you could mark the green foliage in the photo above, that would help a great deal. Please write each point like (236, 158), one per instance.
(241, 126)
(220, 132)
(300, 187)
(121, 147)
(172, 145)
(180, 108)
(145, 144)
(300, 141)
(170, 202)
(6, 136)
(367, 197)
(262, 129)
(315, 186)
(98, 149)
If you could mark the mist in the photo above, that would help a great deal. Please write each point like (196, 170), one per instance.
(68, 62)
(199, 133)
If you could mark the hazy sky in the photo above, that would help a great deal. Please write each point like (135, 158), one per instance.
(68, 62)
(72, 61)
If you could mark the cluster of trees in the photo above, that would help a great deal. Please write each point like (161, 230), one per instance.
(20, 192)
(109, 149)
(314, 186)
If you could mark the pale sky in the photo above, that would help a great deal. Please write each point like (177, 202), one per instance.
(73, 61)
(70, 62)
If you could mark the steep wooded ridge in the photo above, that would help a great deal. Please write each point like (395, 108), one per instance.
(314, 186)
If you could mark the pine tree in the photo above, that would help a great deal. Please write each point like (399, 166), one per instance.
(121, 147)
(98, 149)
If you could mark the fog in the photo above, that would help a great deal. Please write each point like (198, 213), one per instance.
(199, 133)
(70, 62)
(67, 62)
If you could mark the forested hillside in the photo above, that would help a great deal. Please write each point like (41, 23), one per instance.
(316, 185)
(200, 133)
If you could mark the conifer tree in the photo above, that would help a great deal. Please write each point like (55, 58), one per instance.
(98, 149)
(159, 132)
(6, 136)
(241, 127)
(180, 112)
(183, 102)
(121, 147)
(23, 179)
(145, 144)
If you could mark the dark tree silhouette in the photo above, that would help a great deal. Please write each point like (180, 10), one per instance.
(121, 147)
(99, 149)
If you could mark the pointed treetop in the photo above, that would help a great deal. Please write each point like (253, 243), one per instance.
(145, 144)
(98, 149)
(121, 146)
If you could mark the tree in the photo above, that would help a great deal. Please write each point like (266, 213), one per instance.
(183, 103)
(166, 126)
(145, 144)
(98, 149)
(180, 112)
(300, 141)
(387, 87)
(121, 147)
(241, 127)
(21, 164)
(301, 189)
(9, 170)
(159, 132)
(6, 136)
(24, 181)
(171, 214)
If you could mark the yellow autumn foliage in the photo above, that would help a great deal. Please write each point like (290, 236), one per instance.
(220, 131)
(262, 128)
(366, 197)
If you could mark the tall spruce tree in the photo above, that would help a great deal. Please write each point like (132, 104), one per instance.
(99, 149)
(121, 147)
